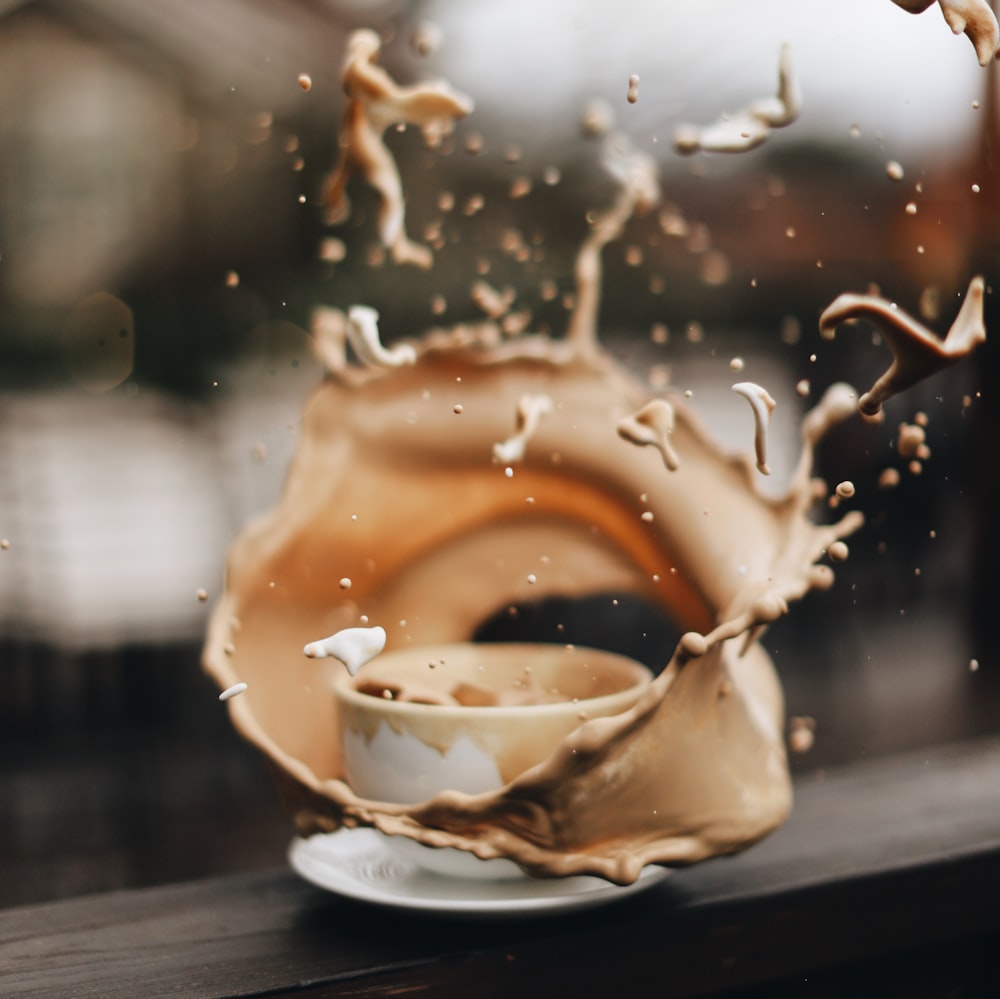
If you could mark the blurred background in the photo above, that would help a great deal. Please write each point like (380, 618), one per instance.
(162, 249)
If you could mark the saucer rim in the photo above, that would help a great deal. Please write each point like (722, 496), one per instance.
(314, 859)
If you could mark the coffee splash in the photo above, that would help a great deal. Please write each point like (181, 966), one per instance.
(393, 490)
(530, 410)
(974, 18)
(352, 646)
(917, 351)
(363, 335)
(491, 676)
(653, 424)
(762, 405)
(374, 103)
(460, 547)
(638, 191)
(750, 127)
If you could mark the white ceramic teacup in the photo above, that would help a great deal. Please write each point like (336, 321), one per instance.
(470, 718)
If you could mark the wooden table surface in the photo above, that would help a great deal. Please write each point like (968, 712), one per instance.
(884, 882)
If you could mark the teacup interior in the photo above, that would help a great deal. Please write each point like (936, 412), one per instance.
(497, 676)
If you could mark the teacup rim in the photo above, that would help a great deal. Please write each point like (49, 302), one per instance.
(343, 684)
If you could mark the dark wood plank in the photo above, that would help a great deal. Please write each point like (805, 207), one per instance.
(878, 858)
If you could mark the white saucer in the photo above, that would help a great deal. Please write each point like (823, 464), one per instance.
(357, 863)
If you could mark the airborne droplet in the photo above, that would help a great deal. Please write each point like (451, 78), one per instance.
(99, 339)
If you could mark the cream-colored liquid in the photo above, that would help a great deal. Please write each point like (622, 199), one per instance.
(530, 410)
(973, 17)
(750, 127)
(363, 336)
(917, 352)
(393, 491)
(352, 646)
(465, 694)
(513, 683)
(653, 424)
(375, 102)
(762, 405)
